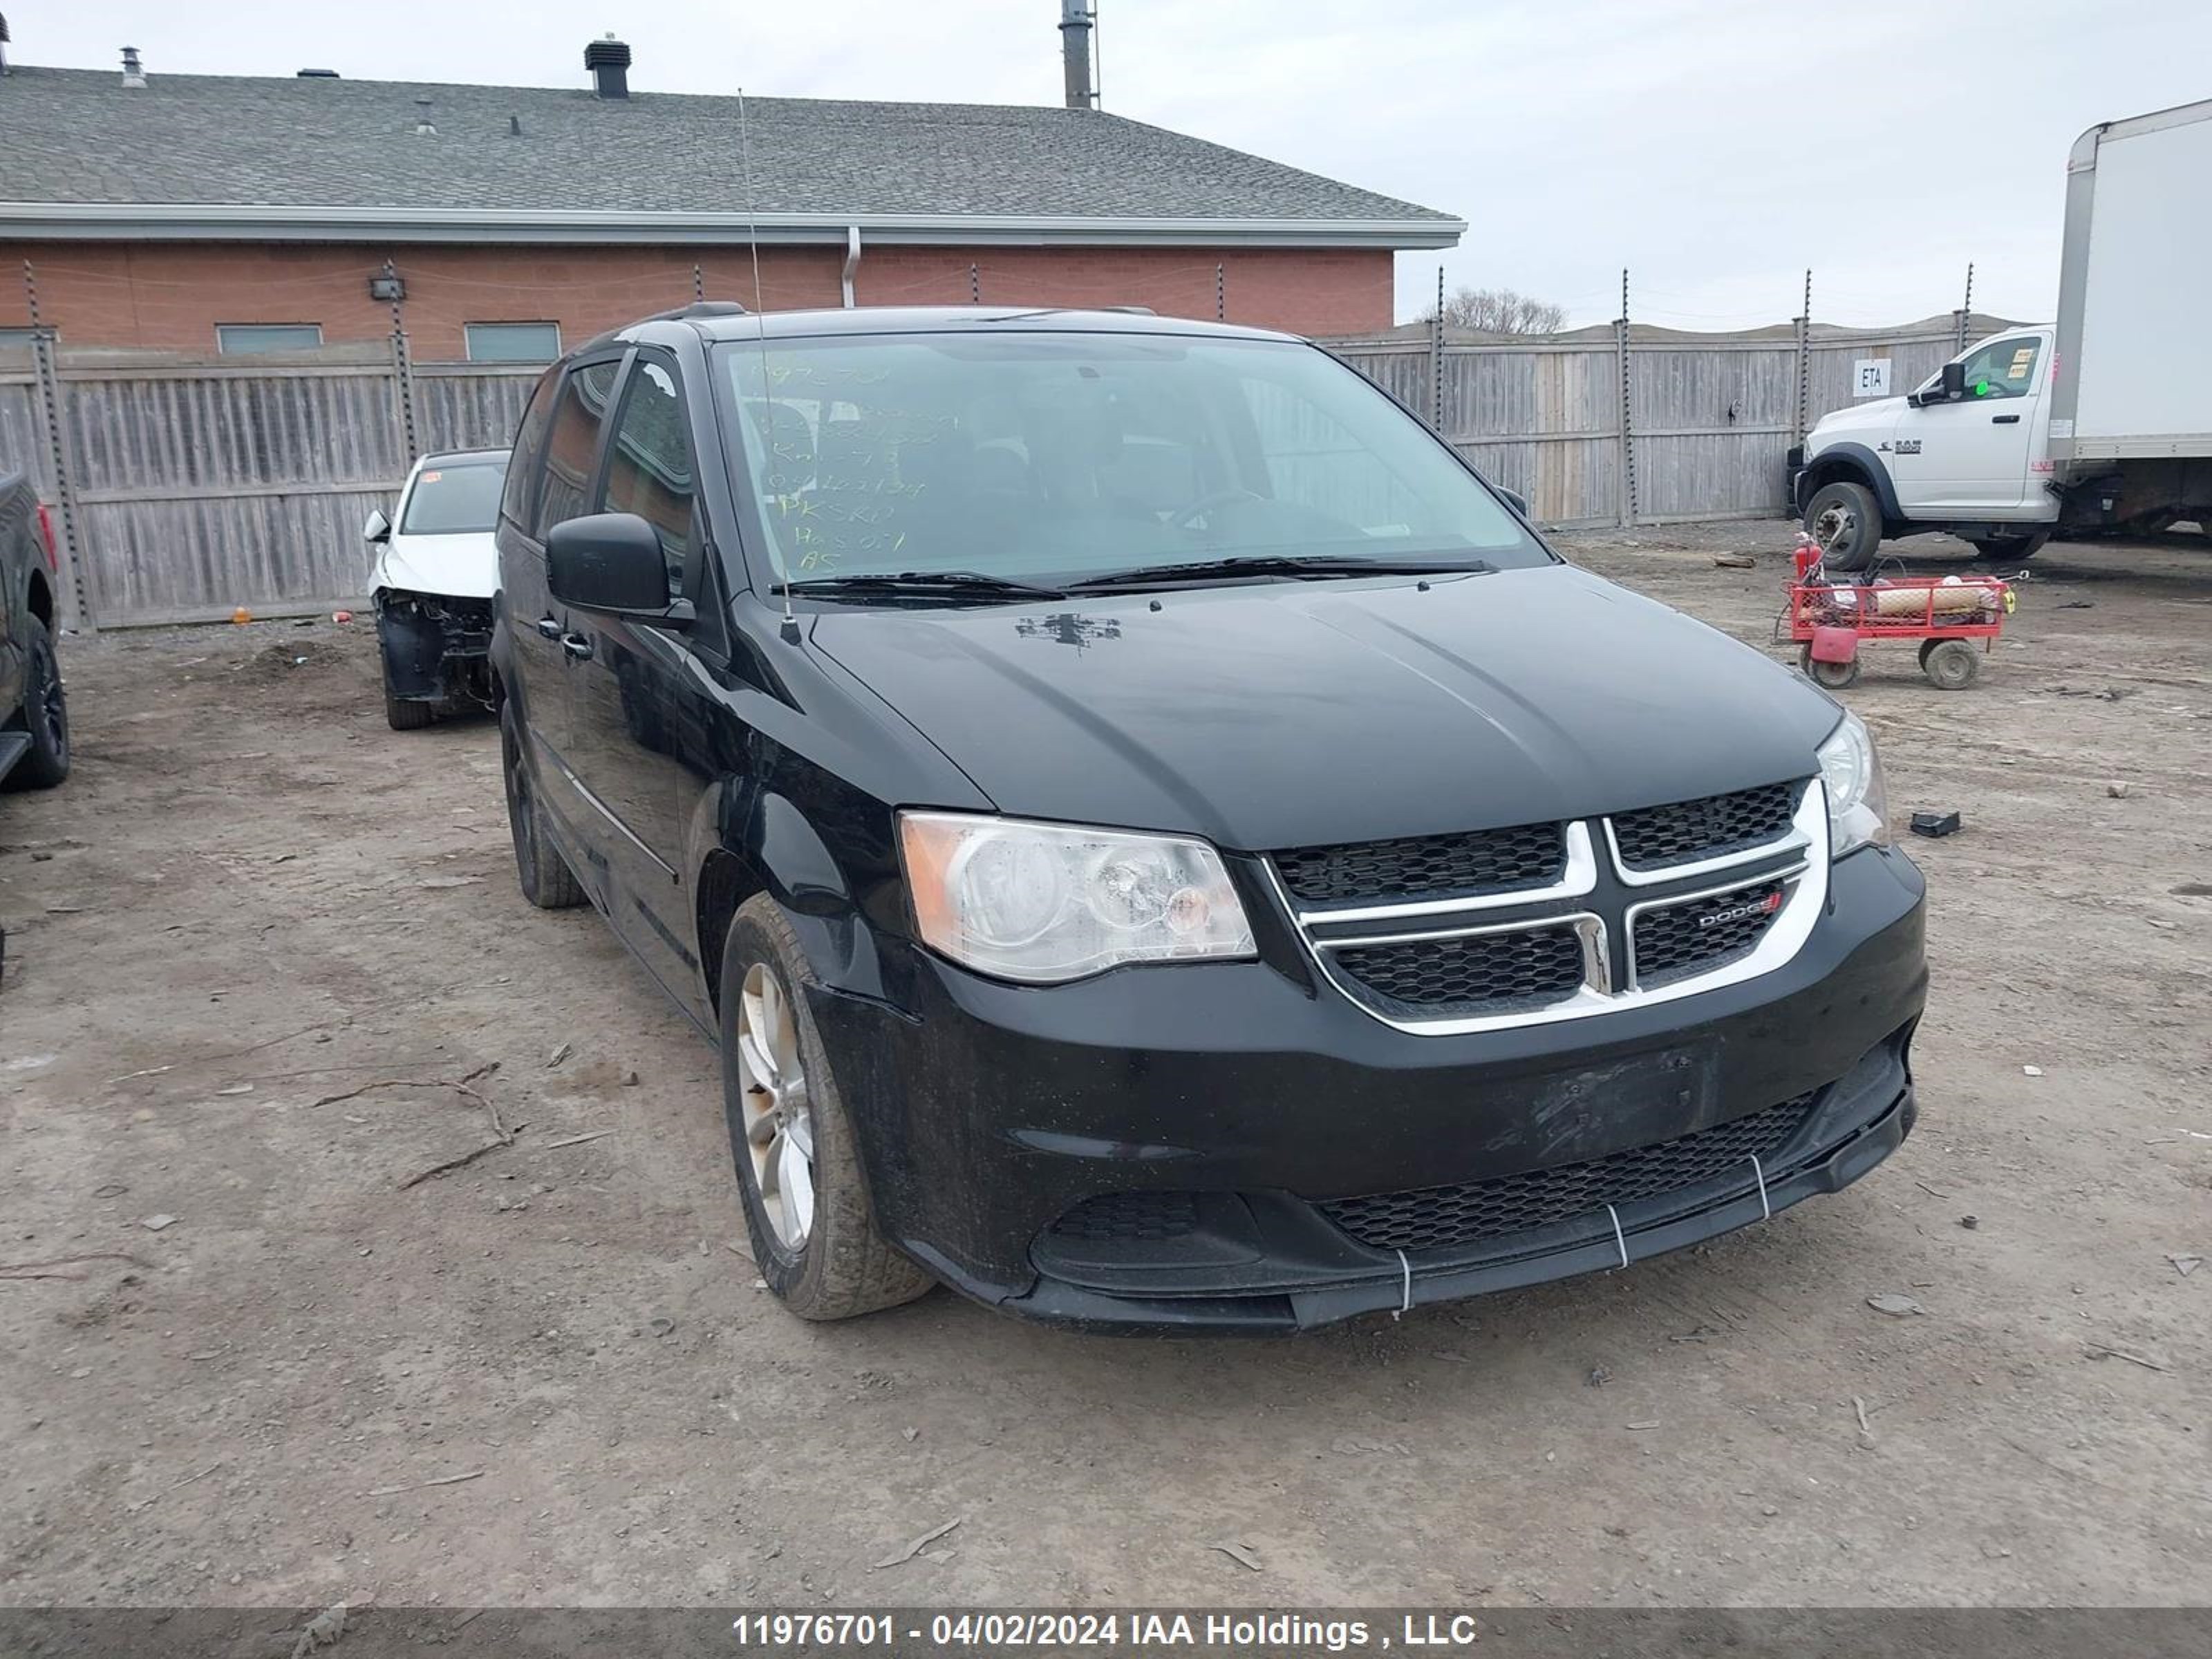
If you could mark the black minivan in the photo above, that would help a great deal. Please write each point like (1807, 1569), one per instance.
(1159, 842)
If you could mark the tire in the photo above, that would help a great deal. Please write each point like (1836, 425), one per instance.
(1849, 515)
(406, 714)
(1950, 665)
(1830, 675)
(2009, 549)
(45, 713)
(546, 880)
(834, 1263)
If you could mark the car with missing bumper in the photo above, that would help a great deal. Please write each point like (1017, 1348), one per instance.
(1161, 845)
(34, 740)
(433, 566)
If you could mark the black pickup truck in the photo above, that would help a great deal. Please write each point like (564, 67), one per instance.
(33, 717)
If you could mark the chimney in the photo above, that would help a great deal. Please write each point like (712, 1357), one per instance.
(608, 63)
(133, 74)
(1077, 20)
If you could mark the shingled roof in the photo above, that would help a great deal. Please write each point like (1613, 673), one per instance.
(316, 158)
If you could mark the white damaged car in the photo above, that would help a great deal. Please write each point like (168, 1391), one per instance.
(431, 574)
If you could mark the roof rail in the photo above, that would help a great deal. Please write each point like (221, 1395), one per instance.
(698, 308)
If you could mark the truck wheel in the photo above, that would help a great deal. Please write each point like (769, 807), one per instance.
(546, 880)
(807, 1211)
(1950, 665)
(1846, 520)
(2008, 549)
(45, 711)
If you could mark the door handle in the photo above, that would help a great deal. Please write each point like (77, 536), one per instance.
(576, 646)
(550, 629)
(2004, 420)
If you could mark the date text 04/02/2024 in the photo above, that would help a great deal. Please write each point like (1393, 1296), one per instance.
(1014, 1629)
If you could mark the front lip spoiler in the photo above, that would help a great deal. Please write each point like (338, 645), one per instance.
(1274, 1314)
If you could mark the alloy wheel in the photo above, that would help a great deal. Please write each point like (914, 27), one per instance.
(778, 1127)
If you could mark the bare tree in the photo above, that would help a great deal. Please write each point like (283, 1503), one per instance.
(1499, 310)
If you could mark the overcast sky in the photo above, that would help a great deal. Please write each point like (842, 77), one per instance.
(1716, 148)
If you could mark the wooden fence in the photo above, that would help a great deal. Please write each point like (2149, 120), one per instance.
(190, 487)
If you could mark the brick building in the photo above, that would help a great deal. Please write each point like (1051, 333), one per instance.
(215, 213)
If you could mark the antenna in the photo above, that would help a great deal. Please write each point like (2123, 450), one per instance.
(760, 317)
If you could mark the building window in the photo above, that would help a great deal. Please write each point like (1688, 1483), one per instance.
(231, 338)
(513, 343)
(16, 339)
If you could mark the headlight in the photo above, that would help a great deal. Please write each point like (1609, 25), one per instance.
(1044, 902)
(1850, 772)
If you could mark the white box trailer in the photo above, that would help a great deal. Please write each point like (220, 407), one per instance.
(2135, 355)
(2103, 421)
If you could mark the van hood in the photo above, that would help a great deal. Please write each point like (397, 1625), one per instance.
(461, 566)
(1302, 714)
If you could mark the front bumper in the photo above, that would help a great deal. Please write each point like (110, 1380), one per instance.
(986, 1113)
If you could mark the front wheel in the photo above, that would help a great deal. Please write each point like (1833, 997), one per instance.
(45, 711)
(808, 1209)
(1845, 520)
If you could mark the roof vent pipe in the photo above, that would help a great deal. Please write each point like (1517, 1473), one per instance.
(1076, 21)
(134, 74)
(608, 63)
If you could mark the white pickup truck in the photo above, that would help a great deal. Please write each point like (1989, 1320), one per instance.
(2102, 421)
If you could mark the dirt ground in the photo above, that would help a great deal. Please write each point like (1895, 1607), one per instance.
(258, 941)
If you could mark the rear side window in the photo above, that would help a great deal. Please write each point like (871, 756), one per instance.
(529, 438)
(572, 443)
(649, 469)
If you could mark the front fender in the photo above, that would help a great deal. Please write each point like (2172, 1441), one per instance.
(762, 841)
(1858, 464)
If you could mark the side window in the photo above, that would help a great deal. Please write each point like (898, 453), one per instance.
(2003, 368)
(649, 468)
(573, 443)
(522, 467)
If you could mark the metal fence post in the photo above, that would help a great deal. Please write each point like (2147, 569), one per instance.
(1627, 432)
(1966, 311)
(1436, 359)
(48, 373)
(1804, 364)
(403, 377)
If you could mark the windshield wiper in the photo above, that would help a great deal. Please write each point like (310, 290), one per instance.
(933, 583)
(1281, 564)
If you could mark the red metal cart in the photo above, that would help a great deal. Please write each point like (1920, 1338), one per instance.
(1829, 621)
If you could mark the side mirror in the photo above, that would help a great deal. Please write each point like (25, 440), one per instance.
(1954, 382)
(377, 529)
(1515, 500)
(609, 562)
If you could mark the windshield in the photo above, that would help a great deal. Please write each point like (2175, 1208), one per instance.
(1049, 457)
(453, 498)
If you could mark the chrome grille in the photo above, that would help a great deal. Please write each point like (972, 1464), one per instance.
(1711, 826)
(1742, 880)
(1449, 1217)
(1426, 867)
(1672, 940)
(1476, 973)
